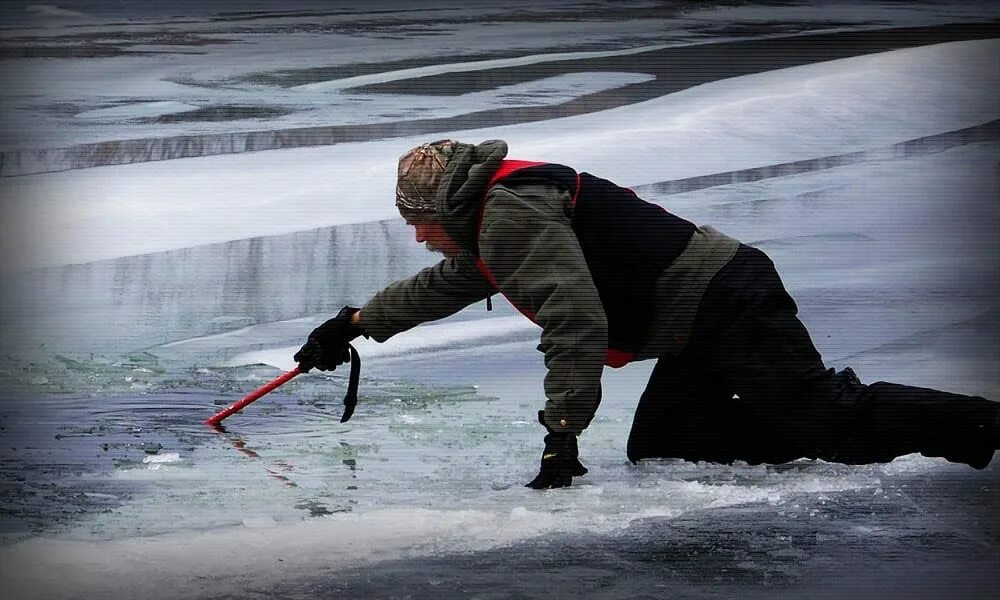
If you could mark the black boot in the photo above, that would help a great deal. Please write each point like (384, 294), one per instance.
(961, 429)
(972, 439)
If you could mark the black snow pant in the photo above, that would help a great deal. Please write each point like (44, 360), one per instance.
(751, 386)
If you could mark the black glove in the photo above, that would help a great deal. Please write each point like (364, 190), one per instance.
(560, 460)
(327, 346)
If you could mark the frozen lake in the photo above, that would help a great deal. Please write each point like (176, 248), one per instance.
(141, 296)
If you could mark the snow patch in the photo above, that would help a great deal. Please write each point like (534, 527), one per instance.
(162, 459)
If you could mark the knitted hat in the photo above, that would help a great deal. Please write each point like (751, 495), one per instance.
(419, 174)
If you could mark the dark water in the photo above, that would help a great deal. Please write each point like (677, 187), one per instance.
(59, 452)
(122, 458)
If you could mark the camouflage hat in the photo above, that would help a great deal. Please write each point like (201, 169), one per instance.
(419, 174)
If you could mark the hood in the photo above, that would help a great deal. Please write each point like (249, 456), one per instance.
(462, 187)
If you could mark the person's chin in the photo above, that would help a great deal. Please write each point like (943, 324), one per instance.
(447, 253)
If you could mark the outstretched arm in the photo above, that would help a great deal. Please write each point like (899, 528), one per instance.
(434, 293)
(431, 294)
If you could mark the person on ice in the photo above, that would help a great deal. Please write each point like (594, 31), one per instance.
(612, 279)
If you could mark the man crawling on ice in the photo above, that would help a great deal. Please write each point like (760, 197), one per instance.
(611, 279)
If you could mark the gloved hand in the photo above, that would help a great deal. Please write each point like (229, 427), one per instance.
(327, 345)
(560, 460)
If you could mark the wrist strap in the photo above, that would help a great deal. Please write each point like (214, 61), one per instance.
(351, 398)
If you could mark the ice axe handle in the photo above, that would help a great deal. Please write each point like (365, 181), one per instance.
(216, 419)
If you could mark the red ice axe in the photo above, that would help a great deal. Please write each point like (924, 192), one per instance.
(350, 399)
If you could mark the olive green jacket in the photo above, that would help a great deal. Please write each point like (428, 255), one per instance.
(526, 237)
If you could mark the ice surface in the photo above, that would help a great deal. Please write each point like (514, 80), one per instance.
(219, 61)
(780, 116)
(122, 54)
(110, 479)
(207, 561)
(323, 497)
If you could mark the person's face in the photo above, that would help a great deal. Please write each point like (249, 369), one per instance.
(435, 238)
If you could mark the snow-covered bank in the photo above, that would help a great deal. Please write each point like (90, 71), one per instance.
(775, 117)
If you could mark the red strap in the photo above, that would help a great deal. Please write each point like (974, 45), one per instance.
(506, 168)
(509, 166)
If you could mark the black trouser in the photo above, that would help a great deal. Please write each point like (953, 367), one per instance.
(751, 386)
